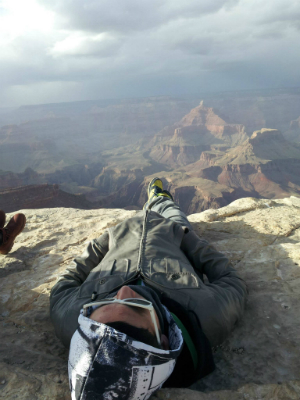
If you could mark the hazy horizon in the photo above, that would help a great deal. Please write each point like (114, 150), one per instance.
(73, 51)
(202, 96)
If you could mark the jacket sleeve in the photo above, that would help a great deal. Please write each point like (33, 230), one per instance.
(227, 291)
(65, 290)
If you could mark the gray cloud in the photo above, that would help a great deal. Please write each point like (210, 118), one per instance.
(287, 13)
(115, 48)
(101, 46)
(129, 15)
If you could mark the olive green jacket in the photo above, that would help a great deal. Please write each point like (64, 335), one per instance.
(169, 259)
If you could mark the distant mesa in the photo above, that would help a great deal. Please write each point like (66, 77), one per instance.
(270, 144)
(293, 133)
(10, 179)
(295, 124)
(266, 134)
(41, 196)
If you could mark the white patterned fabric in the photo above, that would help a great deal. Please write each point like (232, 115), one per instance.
(109, 365)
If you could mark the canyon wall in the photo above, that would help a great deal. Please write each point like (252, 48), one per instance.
(108, 151)
(41, 196)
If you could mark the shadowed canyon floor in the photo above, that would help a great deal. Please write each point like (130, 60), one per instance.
(259, 360)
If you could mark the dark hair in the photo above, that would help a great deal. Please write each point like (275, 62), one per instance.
(139, 334)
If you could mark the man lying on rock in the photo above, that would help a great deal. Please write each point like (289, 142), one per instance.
(8, 233)
(135, 310)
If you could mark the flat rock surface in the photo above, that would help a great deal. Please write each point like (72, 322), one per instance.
(260, 359)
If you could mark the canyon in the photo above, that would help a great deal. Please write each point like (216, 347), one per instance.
(208, 150)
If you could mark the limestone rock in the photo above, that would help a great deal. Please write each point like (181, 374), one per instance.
(259, 360)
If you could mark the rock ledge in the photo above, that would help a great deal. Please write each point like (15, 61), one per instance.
(260, 359)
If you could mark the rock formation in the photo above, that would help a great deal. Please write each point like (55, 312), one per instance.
(259, 360)
(194, 133)
(108, 150)
(265, 164)
(41, 196)
(293, 133)
(10, 179)
(259, 109)
(295, 124)
(202, 115)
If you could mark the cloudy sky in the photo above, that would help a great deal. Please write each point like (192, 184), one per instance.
(65, 50)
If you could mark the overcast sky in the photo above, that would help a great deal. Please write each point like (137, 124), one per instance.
(65, 50)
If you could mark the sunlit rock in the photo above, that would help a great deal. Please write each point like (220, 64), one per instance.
(261, 357)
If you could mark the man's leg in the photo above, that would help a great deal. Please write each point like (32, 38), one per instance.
(169, 209)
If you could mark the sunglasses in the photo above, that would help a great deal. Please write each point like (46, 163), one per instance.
(140, 303)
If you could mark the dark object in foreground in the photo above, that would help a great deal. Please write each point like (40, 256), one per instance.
(11, 231)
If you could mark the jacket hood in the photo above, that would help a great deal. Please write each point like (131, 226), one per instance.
(107, 364)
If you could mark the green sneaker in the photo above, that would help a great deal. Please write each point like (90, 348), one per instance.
(155, 187)
(166, 193)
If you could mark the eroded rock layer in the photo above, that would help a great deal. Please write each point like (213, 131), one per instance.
(220, 150)
(41, 196)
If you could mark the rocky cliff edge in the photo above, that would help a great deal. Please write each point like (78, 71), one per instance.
(260, 359)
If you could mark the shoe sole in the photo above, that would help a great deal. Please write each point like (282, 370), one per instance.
(13, 242)
(2, 214)
(22, 227)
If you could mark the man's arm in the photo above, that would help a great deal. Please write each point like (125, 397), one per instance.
(228, 290)
(62, 297)
(210, 262)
